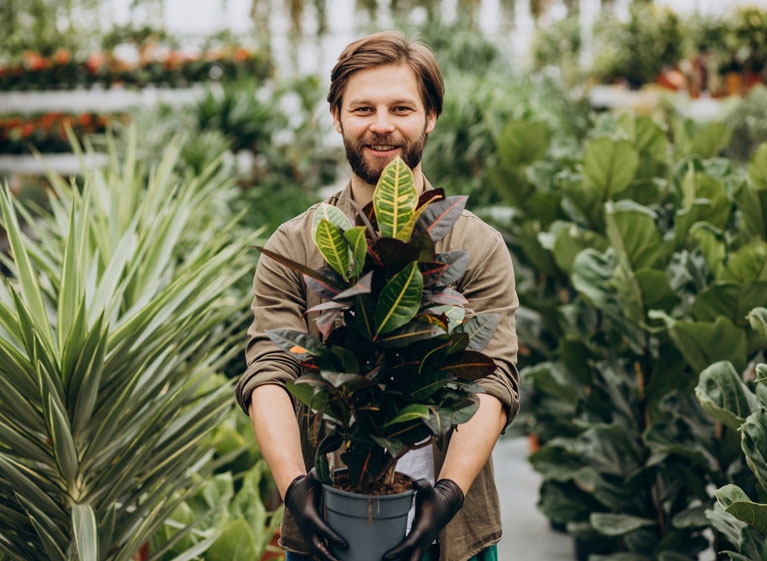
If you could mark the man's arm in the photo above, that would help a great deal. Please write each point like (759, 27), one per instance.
(277, 433)
(278, 437)
(471, 443)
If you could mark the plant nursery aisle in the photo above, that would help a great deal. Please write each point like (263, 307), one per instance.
(527, 534)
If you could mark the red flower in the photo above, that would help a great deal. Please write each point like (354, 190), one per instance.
(27, 130)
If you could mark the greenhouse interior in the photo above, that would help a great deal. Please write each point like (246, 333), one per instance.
(147, 147)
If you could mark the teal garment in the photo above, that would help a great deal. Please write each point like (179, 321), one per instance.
(490, 554)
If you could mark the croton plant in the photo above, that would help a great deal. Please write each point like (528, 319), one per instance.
(400, 352)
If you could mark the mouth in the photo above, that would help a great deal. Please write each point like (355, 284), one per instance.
(382, 149)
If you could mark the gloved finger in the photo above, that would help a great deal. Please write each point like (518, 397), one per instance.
(321, 550)
(406, 551)
(330, 534)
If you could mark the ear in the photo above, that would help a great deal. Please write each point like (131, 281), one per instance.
(335, 113)
(431, 121)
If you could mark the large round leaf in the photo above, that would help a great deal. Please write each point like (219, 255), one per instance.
(609, 166)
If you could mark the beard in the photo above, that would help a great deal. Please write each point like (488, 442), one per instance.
(369, 170)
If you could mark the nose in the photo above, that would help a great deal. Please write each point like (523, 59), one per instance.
(382, 123)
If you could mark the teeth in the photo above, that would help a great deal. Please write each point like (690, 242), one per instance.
(382, 147)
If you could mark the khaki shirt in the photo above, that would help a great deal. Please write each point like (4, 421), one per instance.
(281, 298)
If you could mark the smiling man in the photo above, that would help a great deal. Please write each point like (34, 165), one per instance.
(385, 97)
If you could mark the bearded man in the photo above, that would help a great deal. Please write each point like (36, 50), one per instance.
(385, 97)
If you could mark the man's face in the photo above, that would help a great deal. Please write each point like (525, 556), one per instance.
(382, 116)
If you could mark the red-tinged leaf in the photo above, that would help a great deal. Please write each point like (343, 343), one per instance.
(322, 289)
(318, 275)
(439, 217)
(432, 195)
(469, 365)
(446, 296)
(394, 254)
(363, 286)
(411, 333)
(432, 272)
(327, 321)
(457, 261)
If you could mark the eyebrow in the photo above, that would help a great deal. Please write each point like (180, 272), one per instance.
(397, 102)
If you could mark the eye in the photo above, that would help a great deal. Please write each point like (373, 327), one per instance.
(402, 109)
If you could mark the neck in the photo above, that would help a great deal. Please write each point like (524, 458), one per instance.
(362, 192)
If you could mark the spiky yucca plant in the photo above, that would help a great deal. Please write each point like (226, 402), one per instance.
(112, 319)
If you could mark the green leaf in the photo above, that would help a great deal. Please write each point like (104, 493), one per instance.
(30, 287)
(757, 168)
(724, 396)
(754, 444)
(708, 196)
(618, 524)
(399, 300)
(737, 503)
(358, 246)
(609, 166)
(632, 231)
(332, 214)
(703, 343)
(235, 543)
(747, 263)
(729, 299)
(85, 532)
(297, 342)
(413, 412)
(480, 329)
(395, 200)
(333, 246)
(521, 143)
(757, 318)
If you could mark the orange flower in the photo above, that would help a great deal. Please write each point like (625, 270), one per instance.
(95, 61)
(34, 61)
(241, 54)
(49, 119)
(85, 119)
(62, 56)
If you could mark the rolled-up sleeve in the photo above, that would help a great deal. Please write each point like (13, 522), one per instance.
(279, 302)
(489, 285)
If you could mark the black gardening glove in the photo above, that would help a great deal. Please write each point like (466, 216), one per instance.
(302, 499)
(435, 506)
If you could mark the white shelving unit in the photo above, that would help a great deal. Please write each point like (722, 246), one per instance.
(98, 100)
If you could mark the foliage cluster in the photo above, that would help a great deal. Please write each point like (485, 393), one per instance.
(398, 371)
(639, 260)
(118, 307)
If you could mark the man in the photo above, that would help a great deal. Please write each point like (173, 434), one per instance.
(385, 96)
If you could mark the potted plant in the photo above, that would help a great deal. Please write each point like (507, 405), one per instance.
(400, 352)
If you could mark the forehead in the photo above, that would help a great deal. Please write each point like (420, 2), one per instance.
(383, 84)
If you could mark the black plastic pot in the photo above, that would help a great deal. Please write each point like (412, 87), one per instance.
(371, 524)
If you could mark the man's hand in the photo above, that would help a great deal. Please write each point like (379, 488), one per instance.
(435, 506)
(301, 499)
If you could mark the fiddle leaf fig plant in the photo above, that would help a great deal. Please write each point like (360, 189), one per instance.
(400, 352)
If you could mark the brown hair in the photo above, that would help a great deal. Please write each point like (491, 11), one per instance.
(389, 47)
